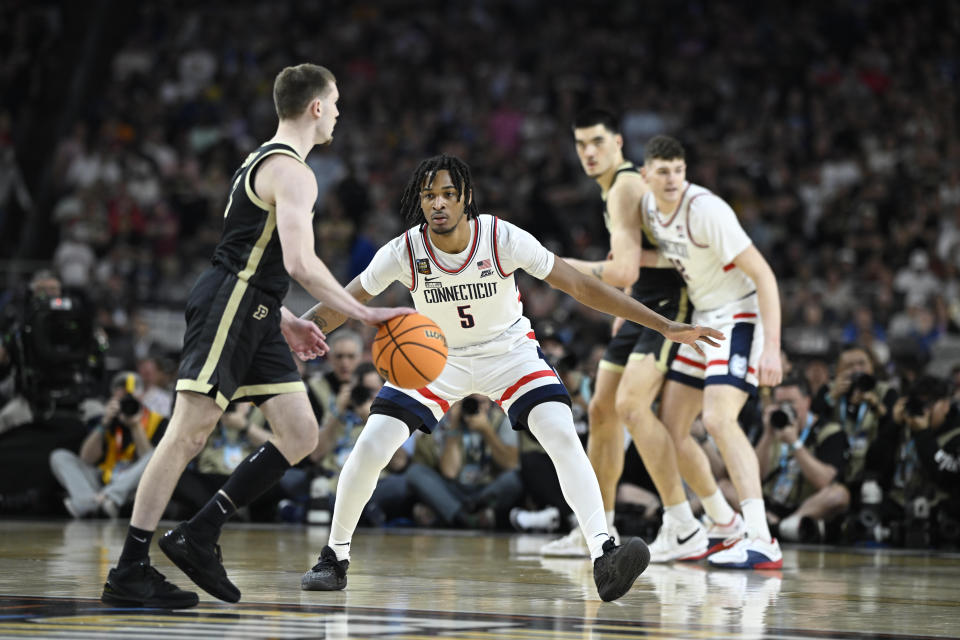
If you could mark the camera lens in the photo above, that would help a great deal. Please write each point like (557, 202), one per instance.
(864, 382)
(779, 419)
(783, 416)
(359, 395)
(470, 406)
(129, 406)
(915, 406)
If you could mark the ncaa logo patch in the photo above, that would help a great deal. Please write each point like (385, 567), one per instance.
(738, 366)
(423, 266)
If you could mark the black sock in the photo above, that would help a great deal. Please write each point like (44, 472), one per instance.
(136, 547)
(252, 477)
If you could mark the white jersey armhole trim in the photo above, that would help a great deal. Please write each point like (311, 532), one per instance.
(413, 271)
(689, 212)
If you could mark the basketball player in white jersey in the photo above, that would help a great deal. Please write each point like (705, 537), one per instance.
(632, 370)
(731, 287)
(459, 267)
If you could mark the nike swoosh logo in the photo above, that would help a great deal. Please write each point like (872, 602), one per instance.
(138, 539)
(687, 539)
(432, 279)
(221, 507)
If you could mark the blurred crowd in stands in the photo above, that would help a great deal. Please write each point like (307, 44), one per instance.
(832, 131)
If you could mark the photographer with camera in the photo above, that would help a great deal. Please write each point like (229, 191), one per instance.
(800, 457)
(477, 482)
(858, 402)
(105, 474)
(915, 467)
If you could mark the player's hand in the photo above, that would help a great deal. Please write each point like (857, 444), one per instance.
(378, 315)
(770, 369)
(304, 337)
(690, 334)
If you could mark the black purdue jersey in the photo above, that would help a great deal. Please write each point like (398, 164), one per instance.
(250, 244)
(652, 282)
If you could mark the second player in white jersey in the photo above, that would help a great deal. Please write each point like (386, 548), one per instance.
(472, 295)
(701, 237)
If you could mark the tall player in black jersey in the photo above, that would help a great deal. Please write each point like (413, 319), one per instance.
(237, 346)
(633, 367)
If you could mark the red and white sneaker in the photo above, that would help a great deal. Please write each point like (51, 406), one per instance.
(678, 541)
(723, 536)
(749, 553)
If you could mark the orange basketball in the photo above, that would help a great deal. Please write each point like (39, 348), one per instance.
(410, 351)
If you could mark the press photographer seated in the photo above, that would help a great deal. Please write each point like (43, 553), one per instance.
(911, 494)
(105, 474)
(800, 457)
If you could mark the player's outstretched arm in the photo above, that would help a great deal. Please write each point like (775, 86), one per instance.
(603, 297)
(294, 190)
(327, 319)
(752, 263)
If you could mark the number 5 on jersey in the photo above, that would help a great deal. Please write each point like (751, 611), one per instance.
(466, 320)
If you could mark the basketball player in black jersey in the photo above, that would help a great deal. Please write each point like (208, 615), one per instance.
(633, 367)
(237, 346)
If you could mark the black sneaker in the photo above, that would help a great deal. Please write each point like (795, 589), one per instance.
(140, 585)
(618, 567)
(329, 574)
(202, 562)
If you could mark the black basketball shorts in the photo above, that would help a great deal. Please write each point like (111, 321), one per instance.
(233, 348)
(634, 341)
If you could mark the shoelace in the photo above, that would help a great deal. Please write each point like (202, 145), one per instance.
(323, 563)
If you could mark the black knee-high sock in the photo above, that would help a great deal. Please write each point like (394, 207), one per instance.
(257, 473)
(136, 547)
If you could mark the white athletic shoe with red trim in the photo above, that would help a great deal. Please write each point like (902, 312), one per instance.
(723, 536)
(749, 553)
(679, 541)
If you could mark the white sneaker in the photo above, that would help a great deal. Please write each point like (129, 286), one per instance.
(723, 536)
(543, 520)
(573, 545)
(679, 541)
(749, 553)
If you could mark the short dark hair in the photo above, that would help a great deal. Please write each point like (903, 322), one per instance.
(594, 116)
(296, 87)
(425, 173)
(663, 148)
(796, 381)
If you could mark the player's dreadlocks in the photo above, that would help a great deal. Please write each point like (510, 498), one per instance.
(425, 173)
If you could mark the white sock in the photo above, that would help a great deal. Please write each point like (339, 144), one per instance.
(379, 440)
(551, 423)
(718, 509)
(679, 513)
(609, 515)
(755, 517)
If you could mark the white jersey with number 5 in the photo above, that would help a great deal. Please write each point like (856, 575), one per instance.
(472, 295)
(701, 238)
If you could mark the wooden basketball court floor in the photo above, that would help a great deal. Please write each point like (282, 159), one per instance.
(407, 585)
